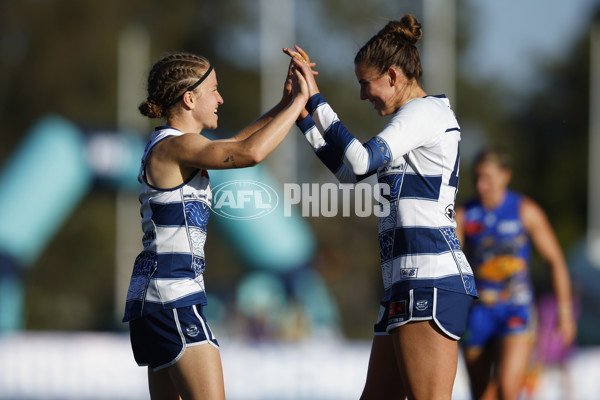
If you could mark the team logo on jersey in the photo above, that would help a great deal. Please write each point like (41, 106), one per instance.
(244, 199)
(450, 213)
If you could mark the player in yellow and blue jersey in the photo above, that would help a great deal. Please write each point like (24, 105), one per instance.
(497, 229)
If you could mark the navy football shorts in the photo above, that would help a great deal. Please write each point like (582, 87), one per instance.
(449, 310)
(160, 339)
(489, 322)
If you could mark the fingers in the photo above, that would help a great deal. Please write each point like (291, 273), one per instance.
(303, 54)
(299, 84)
(300, 64)
(295, 55)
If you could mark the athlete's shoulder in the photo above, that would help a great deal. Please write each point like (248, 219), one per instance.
(425, 103)
(439, 103)
(161, 133)
(429, 111)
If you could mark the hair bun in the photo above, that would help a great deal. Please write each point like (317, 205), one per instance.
(408, 28)
(151, 109)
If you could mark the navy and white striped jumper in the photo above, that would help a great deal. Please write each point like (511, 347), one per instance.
(416, 156)
(168, 272)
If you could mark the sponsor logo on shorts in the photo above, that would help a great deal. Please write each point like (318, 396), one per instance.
(408, 272)
(397, 308)
(516, 322)
(422, 305)
(192, 330)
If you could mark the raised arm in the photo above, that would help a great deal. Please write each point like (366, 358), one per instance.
(267, 117)
(329, 156)
(542, 236)
(173, 159)
(196, 151)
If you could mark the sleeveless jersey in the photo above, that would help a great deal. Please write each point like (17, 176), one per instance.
(168, 272)
(498, 248)
(416, 158)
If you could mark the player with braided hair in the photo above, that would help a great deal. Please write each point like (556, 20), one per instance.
(166, 294)
(428, 283)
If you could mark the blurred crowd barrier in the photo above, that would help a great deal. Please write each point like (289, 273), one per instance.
(87, 366)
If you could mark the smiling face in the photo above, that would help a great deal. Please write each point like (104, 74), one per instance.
(207, 101)
(375, 87)
(387, 91)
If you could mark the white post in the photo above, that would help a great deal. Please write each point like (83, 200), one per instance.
(593, 228)
(439, 48)
(276, 32)
(133, 64)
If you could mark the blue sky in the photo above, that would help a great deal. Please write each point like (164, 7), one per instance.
(511, 35)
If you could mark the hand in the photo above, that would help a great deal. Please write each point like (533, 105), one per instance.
(300, 55)
(566, 326)
(287, 86)
(301, 60)
(299, 85)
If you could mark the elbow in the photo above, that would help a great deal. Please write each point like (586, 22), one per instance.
(254, 156)
(359, 169)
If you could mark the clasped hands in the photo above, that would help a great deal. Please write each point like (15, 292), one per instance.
(300, 61)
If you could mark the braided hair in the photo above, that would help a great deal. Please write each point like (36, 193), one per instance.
(169, 78)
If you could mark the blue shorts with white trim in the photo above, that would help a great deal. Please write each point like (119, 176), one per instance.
(448, 309)
(159, 339)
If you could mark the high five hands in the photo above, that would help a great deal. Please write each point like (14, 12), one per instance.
(301, 60)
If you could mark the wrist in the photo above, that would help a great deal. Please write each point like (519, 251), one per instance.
(565, 308)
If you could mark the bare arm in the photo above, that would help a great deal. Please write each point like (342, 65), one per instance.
(269, 115)
(459, 217)
(285, 100)
(196, 151)
(175, 158)
(542, 235)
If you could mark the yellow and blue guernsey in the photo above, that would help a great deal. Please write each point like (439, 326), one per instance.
(168, 272)
(498, 248)
(416, 158)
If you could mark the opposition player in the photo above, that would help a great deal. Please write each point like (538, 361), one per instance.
(166, 295)
(497, 229)
(428, 283)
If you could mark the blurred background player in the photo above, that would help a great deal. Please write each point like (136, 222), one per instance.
(166, 296)
(497, 228)
(428, 283)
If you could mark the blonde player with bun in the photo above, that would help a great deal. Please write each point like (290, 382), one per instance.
(428, 283)
(166, 295)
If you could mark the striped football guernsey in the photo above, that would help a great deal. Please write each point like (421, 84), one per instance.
(168, 272)
(416, 157)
